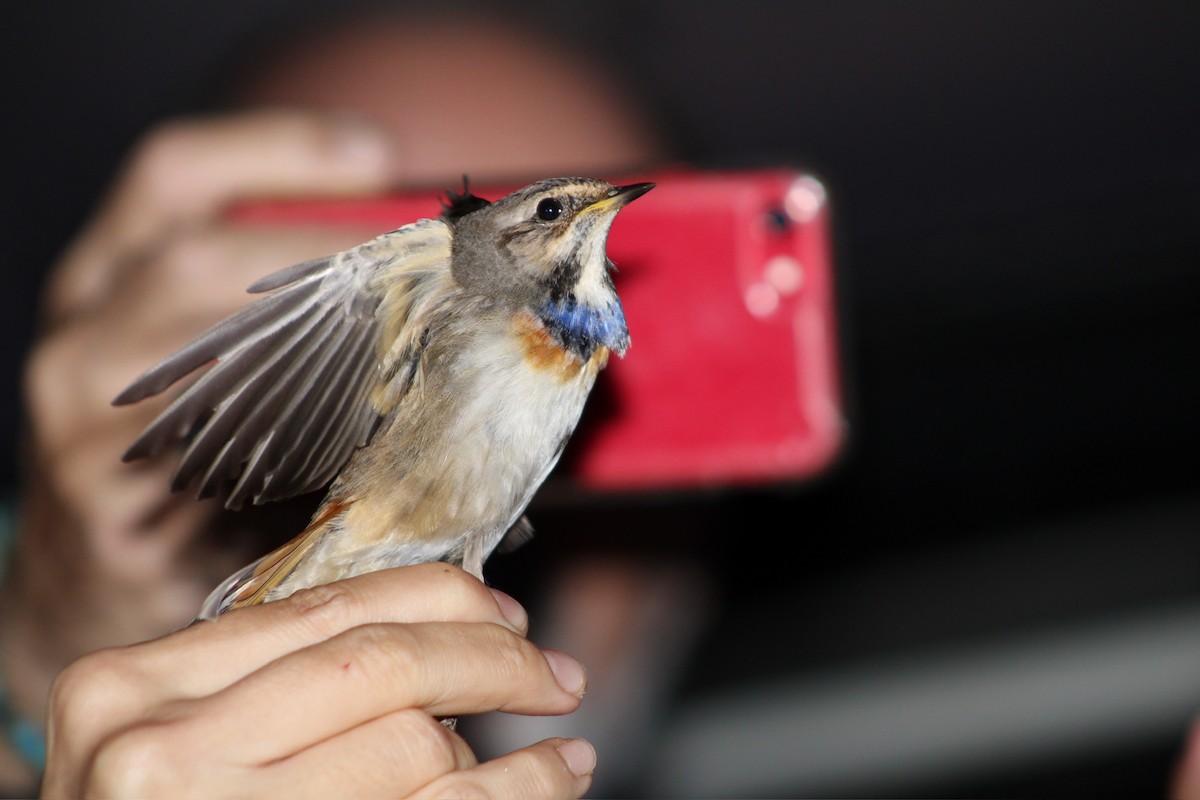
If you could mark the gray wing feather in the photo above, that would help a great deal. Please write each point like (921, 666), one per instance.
(287, 275)
(220, 338)
(272, 463)
(289, 396)
(310, 468)
(244, 409)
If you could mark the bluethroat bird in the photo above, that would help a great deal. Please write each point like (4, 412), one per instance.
(433, 374)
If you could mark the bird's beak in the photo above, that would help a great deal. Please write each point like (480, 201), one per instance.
(621, 197)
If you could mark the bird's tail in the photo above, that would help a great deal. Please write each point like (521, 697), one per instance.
(252, 584)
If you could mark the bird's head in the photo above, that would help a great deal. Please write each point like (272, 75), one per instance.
(547, 239)
(544, 247)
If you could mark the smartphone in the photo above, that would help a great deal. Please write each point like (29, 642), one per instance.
(728, 284)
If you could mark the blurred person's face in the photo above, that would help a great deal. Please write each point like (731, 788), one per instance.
(463, 97)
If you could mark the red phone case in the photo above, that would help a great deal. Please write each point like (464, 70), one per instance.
(728, 286)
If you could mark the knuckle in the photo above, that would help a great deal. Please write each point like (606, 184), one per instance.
(64, 379)
(533, 772)
(162, 155)
(424, 740)
(324, 609)
(188, 259)
(458, 586)
(141, 761)
(49, 377)
(379, 647)
(540, 772)
(165, 139)
(459, 786)
(84, 694)
(376, 649)
(513, 656)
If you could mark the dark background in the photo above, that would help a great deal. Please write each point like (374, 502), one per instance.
(1017, 188)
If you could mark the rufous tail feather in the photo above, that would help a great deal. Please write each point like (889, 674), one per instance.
(253, 584)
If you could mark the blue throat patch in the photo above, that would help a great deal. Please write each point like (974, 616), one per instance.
(582, 328)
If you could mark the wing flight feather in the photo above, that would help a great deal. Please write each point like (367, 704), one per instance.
(300, 375)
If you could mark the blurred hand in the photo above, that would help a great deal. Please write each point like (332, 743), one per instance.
(332, 692)
(106, 555)
(1185, 780)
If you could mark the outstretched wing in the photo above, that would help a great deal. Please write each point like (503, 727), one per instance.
(302, 375)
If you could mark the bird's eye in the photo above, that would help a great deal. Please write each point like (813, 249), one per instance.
(549, 209)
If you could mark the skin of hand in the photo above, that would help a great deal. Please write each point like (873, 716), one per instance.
(105, 555)
(335, 691)
(1184, 782)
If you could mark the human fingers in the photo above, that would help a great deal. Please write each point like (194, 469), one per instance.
(410, 754)
(395, 753)
(392, 755)
(551, 768)
(113, 690)
(202, 275)
(242, 641)
(186, 171)
(443, 668)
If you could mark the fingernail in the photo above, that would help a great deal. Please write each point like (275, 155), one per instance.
(513, 611)
(569, 673)
(579, 756)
